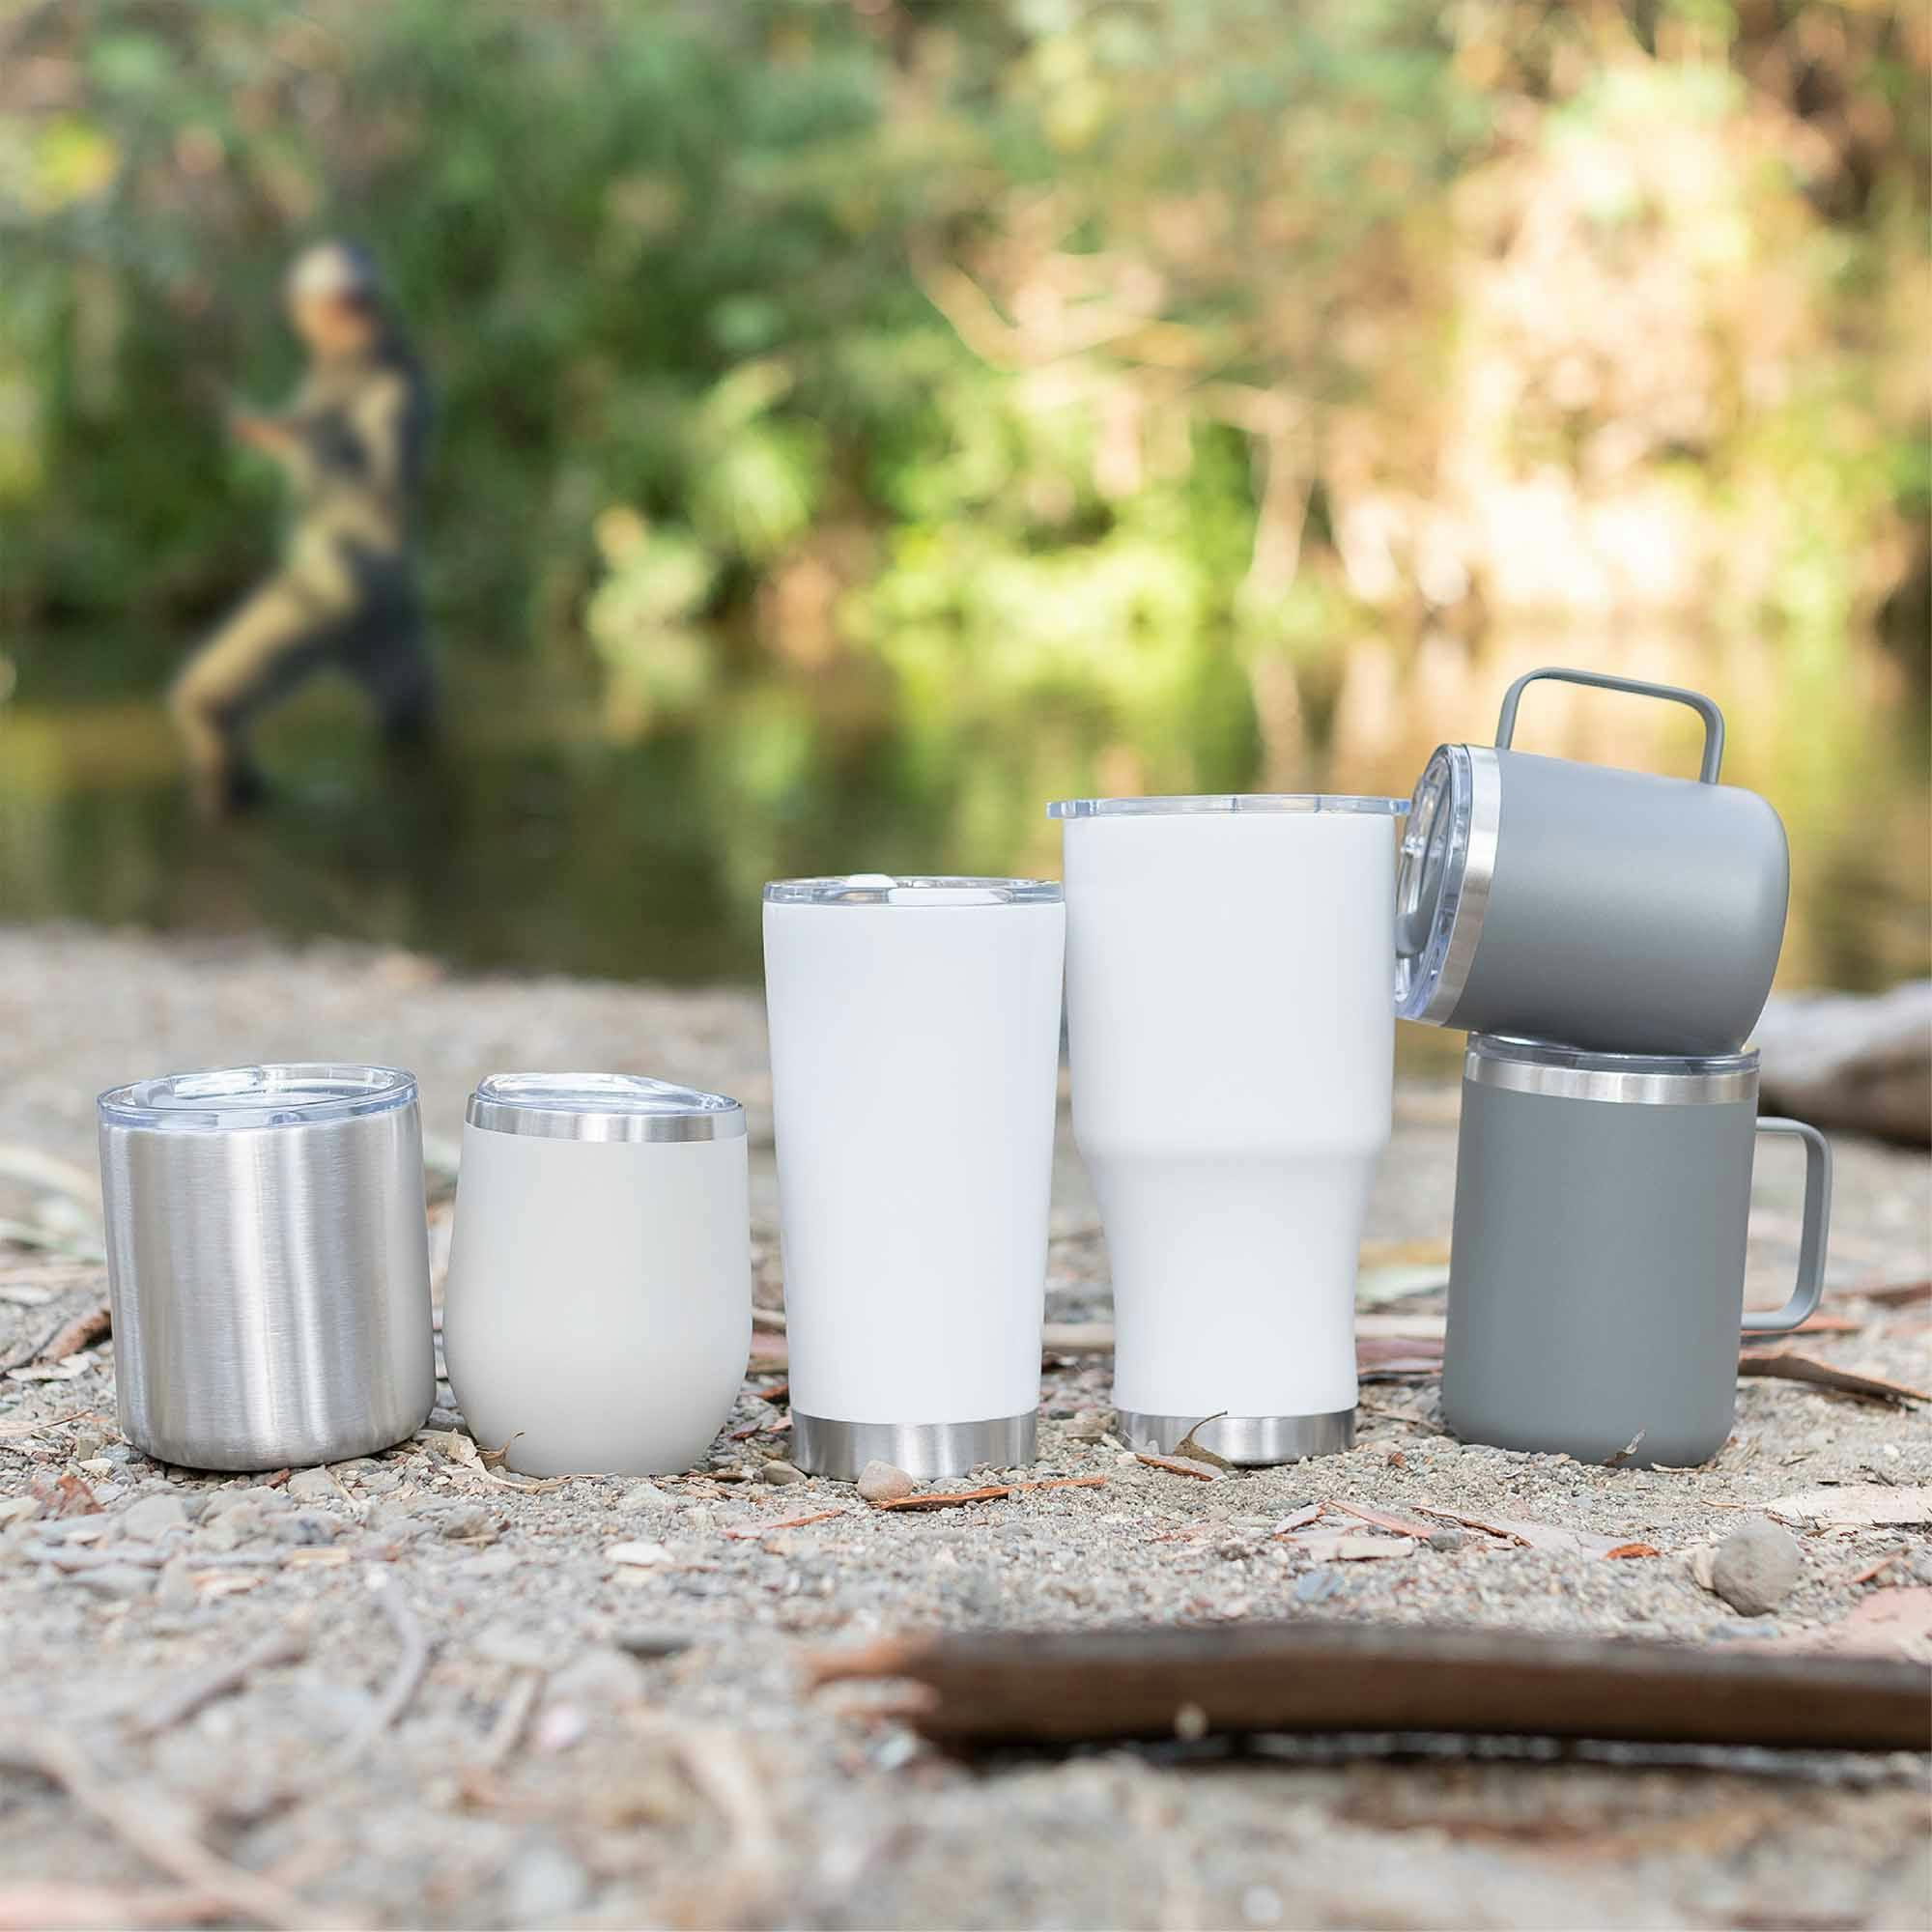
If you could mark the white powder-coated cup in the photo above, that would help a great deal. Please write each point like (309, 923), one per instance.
(598, 1313)
(1228, 962)
(915, 1028)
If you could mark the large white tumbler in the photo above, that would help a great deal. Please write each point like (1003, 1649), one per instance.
(1230, 964)
(914, 1034)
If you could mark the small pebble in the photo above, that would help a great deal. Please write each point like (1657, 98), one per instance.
(1446, 1538)
(650, 1641)
(543, 1885)
(781, 1472)
(1756, 1567)
(149, 1520)
(306, 1527)
(174, 1587)
(116, 1579)
(884, 1481)
(313, 1486)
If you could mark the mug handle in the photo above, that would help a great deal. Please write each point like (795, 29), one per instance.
(1810, 1284)
(1713, 719)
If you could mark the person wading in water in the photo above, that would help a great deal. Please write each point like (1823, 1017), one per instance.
(351, 446)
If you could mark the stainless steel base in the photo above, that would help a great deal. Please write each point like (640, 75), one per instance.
(842, 1449)
(1252, 1440)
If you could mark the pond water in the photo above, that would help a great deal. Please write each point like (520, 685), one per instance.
(535, 840)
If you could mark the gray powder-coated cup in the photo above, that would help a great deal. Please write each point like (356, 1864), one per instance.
(1607, 908)
(1596, 1280)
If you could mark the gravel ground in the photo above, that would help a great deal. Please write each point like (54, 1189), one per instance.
(602, 1741)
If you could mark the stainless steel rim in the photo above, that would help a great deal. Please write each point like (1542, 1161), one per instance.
(1254, 1442)
(826, 1447)
(1479, 871)
(1208, 804)
(602, 1107)
(1646, 1083)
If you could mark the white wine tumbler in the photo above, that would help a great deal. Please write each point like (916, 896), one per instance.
(598, 1313)
(915, 1036)
(1228, 962)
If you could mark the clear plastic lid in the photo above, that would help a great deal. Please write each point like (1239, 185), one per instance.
(1503, 1046)
(1442, 880)
(295, 1094)
(1201, 805)
(602, 1107)
(883, 888)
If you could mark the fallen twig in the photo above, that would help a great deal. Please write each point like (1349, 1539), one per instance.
(514, 1713)
(1388, 1520)
(1175, 1468)
(38, 1906)
(1896, 1293)
(70, 1338)
(990, 1493)
(289, 1645)
(989, 1688)
(156, 1833)
(411, 1661)
(757, 1530)
(1798, 1368)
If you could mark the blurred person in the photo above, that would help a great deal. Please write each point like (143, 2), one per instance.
(344, 597)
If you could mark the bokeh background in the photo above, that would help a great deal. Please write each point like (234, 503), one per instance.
(864, 421)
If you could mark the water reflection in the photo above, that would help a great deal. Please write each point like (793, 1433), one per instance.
(537, 841)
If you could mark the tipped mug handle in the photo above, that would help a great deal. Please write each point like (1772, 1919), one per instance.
(1713, 719)
(1810, 1284)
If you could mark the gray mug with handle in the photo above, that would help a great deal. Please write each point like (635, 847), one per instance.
(1596, 1279)
(1554, 900)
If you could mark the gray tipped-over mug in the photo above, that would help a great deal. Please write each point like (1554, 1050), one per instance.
(1608, 908)
(268, 1259)
(1596, 1277)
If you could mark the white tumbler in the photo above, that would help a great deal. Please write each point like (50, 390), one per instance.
(1230, 966)
(914, 1040)
(598, 1313)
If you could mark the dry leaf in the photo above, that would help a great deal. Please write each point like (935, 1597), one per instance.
(1306, 1515)
(1897, 1623)
(1388, 1520)
(1633, 1549)
(1867, 1505)
(788, 1523)
(1796, 1368)
(1194, 1452)
(1176, 1468)
(638, 1555)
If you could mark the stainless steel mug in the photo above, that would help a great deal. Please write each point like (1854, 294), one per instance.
(1596, 1277)
(268, 1261)
(1607, 908)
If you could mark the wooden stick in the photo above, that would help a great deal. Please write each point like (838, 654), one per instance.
(411, 1662)
(70, 1336)
(1798, 1368)
(45, 1906)
(282, 1646)
(1065, 1688)
(990, 1493)
(156, 1832)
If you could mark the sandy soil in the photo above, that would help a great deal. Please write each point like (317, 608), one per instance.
(594, 1741)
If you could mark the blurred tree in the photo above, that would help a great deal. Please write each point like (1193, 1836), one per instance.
(1180, 384)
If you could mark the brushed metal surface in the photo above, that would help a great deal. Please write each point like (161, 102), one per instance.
(841, 1450)
(1529, 1066)
(1254, 1442)
(270, 1289)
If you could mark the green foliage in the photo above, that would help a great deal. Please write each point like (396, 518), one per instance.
(1084, 366)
